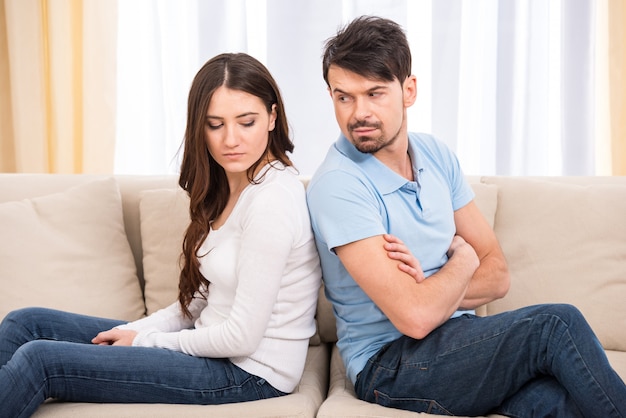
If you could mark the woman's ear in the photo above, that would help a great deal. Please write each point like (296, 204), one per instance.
(273, 116)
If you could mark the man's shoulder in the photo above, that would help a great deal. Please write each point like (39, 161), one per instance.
(427, 142)
(433, 153)
(336, 169)
(335, 180)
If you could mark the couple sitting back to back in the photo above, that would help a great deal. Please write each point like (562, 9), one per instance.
(406, 257)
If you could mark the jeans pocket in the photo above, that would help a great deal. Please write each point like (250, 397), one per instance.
(428, 406)
(265, 390)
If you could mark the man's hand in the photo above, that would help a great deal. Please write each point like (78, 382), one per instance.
(396, 250)
(458, 245)
(115, 337)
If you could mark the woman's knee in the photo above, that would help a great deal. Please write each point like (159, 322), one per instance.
(26, 315)
(29, 358)
(34, 352)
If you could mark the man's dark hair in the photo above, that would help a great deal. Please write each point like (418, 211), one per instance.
(372, 47)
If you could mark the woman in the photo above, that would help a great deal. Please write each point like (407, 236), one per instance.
(247, 293)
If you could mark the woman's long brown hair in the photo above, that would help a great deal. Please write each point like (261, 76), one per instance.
(201, 176)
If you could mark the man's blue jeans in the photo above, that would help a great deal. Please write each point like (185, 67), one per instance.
(540, 361)
(46, 353)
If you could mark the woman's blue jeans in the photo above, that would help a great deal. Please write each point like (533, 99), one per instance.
(540, 361)
(48, 354)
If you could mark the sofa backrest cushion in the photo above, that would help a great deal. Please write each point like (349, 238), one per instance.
(131, 187)
(164, 217)
(566, 243)
(68, 250)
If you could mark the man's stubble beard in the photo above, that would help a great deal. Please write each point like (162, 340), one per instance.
(369, 145)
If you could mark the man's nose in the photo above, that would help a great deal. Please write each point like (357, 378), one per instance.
(361, 109)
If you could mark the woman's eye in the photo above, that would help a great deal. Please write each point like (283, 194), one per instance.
(248, 124)
(213, 124)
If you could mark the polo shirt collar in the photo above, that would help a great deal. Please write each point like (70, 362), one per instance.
(385, 179)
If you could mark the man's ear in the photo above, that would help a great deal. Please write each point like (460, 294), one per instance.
(273, 116)
(409, 91)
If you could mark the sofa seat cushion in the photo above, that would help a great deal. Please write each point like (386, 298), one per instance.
(303, 402)
(68, 250)
(617, 359)
(566, 243)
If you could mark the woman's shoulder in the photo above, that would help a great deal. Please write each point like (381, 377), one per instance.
(277, 174)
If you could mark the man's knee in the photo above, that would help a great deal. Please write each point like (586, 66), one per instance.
(567, 313)
(568, 316)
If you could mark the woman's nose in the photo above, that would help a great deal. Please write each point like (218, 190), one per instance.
(230, 137)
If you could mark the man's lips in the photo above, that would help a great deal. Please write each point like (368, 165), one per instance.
(364, 131)
(361, 127)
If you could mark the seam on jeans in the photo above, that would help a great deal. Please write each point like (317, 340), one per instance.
(582, 359)
(484, 338)
(140, 382)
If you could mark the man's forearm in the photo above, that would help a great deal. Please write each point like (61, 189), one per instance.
(489, 282)
(458, 274)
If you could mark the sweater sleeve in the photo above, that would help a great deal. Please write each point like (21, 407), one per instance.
(270, 224)
(168, 319)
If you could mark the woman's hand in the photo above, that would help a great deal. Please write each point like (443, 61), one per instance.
(115, 337)
(396, 250)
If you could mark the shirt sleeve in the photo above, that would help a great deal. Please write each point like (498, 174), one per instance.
(461, 192)
(344, 209)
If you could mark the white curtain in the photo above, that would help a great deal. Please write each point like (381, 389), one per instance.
(510, 85)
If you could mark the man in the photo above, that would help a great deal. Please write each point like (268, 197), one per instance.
(406, 257)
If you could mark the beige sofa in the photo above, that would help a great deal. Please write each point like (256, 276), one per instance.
(109, 246)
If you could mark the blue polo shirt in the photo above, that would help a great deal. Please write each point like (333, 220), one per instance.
(353, 196)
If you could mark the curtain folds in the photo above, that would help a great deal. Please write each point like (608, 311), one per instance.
(617, 77)
(524, 87)
(514, 87)
(59, 63)
(7, 145)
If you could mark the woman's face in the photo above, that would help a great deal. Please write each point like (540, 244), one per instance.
(237, 127)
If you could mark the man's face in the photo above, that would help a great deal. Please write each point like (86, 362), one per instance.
(370, 113)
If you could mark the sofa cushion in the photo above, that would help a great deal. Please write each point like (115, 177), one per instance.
(164, 216)
(69, 251)
(566, 243)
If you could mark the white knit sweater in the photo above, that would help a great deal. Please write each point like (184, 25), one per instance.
(265, 275)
